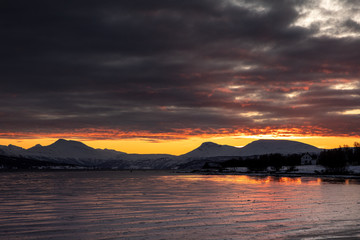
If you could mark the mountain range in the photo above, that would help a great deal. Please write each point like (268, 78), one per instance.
(77, 153)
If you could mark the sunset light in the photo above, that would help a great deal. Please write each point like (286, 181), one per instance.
(233, 72)
(180, 119)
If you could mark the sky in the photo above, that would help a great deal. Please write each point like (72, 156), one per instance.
(163, 76)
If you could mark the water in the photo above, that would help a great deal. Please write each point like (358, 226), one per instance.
(163, 205)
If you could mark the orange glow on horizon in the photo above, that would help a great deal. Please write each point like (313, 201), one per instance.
(177, 142)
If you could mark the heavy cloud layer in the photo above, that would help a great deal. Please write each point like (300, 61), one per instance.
(188, 67)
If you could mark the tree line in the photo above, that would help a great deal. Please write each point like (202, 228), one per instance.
(262, 162)
(336, 160)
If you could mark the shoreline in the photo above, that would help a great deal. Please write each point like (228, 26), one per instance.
(195, 171)
(292, 175)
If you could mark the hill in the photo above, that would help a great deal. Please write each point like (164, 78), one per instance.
(77, 153)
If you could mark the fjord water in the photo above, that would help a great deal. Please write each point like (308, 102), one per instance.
(164, 205)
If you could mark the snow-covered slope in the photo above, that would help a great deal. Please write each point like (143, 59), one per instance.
(71, 149)
(74, 152)
(12, 150)
(261, 147)
(65, 151)
(143, 161)
(209, 149)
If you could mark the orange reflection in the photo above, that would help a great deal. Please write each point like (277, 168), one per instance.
(288, 180)
(319, 181)
(242, 179)
(245, 179)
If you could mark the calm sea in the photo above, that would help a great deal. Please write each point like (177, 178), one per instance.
(165, 205)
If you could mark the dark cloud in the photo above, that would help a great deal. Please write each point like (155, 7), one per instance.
(352, 25)
(163, 66)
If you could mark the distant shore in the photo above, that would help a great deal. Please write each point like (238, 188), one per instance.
(201, 172)
(291, 175)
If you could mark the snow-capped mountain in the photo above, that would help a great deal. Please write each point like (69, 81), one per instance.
(217, 153)
(210, 149)
(12, 150)
(74, 152)
(65, 151)
(72, 149)
(261, 147)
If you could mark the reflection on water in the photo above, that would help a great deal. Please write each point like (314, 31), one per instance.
(161, 205)
(244, 179)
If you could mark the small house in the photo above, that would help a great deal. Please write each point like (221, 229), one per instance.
(307, 159)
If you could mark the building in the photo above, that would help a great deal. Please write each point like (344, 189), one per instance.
(307, 159)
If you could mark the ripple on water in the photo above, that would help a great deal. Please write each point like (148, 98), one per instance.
(161, 205)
